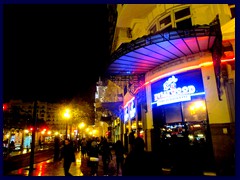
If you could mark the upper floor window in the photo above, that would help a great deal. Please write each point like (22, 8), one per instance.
(180, 19)
(166, 21)
(153, 29)
(185, 24)
(182, 13)
(232, 9)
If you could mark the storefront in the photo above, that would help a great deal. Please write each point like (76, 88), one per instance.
(180, 115)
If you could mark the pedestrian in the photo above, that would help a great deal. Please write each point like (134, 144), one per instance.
(93, 157)
(11, 146)
(119, 152)
(40, 143)
(141, 163)
(106, 156)
(84, 147)
(131, 139)
(56, 148)
(67, 153)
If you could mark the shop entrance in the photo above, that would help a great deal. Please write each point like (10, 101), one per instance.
(183, 137)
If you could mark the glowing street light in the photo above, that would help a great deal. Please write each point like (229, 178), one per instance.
(66, 116)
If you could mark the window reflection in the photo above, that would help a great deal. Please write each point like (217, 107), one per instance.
(194, 111)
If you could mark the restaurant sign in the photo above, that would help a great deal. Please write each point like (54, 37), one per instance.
(177, 88)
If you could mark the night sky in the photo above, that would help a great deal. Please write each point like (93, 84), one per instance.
(53, 52)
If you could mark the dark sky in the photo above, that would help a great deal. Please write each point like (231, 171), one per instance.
(53, 52)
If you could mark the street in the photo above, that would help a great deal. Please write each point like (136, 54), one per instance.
(45, 166)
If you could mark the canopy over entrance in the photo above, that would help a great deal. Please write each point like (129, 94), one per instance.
(145, 53)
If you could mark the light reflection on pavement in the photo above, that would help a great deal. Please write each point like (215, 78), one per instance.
(50, 168)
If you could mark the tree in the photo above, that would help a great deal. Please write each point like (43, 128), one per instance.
(81, 111)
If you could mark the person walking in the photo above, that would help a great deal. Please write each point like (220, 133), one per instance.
(11, 147)
(93, 157)
(84, 147)
(106, 156)
(67, 153)
(119, 152)
(131, 139)
(141, 163)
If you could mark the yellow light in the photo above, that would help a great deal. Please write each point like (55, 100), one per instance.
(49, 132)
(56, 133)
(66, 114)
(26, 131)
(81, 125)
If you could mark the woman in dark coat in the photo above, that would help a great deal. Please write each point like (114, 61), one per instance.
(119, 152)
(106, 156)
(93, 158)
(67, 153)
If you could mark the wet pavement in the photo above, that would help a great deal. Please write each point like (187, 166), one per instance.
(51, 168)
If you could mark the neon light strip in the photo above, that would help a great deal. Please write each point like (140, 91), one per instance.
(177, 71)
(195, 94)
(129, 102)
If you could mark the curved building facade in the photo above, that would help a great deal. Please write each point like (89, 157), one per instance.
(180, 64)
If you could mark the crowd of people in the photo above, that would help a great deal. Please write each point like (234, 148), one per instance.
(137, 162)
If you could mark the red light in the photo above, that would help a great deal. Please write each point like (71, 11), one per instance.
(4, 107)
(31, 129)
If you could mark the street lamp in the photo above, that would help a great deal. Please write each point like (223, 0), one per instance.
(66, 116)
(81, 126)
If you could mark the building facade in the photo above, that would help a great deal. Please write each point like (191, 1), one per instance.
(184, 63)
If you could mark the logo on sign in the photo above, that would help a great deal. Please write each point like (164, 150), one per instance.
(171, 93)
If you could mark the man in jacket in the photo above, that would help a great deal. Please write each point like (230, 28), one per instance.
(67, 153)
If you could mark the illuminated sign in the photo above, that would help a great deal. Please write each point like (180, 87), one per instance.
(177, 88)
(126, 115)
(130, 111)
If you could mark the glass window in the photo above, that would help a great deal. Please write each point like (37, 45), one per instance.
(185, 24)
(233, 12)
(182, 13)
(165, 21)
(194, 110)
(173, 113)
(153, 29)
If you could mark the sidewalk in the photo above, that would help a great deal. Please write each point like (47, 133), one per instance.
(51, 168)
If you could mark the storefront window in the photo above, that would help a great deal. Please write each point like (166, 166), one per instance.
(194, 110)
(173, 113)
(179, 108)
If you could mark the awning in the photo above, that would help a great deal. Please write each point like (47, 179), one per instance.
(143, 54)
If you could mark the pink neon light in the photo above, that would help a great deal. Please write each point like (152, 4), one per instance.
(177, 71)
(129, 102)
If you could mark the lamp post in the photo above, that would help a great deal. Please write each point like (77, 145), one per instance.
(66, 116)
